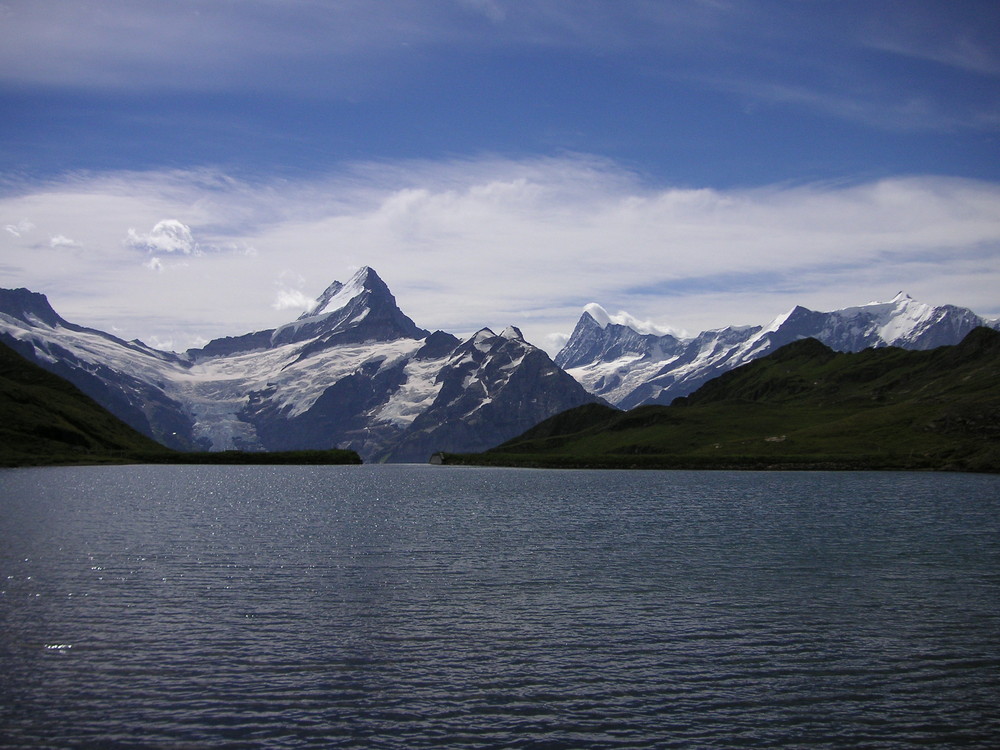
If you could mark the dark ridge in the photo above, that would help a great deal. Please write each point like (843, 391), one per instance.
(23, 303)
(437, 345)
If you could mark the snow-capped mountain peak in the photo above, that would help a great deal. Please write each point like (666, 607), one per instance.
(902, 321)
(629, 366)
(363, 309)
(599, 336)
(604, 319)
(781, 320)
(337, 296)
(355, 372)
(321, 302)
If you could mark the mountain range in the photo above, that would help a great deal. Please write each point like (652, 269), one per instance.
(629, 368)
(803, 406)
(353, 373)
(356, 373)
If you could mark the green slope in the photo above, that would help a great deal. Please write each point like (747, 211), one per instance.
(804, 406)
(47, 420)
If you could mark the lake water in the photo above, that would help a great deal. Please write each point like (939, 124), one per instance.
(438, 607)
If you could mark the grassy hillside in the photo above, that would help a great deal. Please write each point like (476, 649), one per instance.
(804, 406)
(46, 420)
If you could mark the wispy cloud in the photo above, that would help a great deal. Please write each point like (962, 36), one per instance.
(816, 57)
(293, 299)
(207, 45)
(203, 45)
(61, 240)
(20, 228)
(290, 295)
(493, 241)
(892, 110)
(965, 40)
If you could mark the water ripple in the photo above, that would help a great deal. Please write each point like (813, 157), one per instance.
(408, 607)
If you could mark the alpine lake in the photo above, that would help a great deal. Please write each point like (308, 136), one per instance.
(412, 606)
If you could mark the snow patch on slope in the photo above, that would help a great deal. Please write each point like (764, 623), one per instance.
(341, 295)
(415, 395)
(301, 383)
(482, 339)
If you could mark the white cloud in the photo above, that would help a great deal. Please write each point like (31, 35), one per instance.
(22, 227)
(167, 236)
(61, 240)
(603, 318)
(290, 295)
(554, 341)
(494, 242)
(293, 299)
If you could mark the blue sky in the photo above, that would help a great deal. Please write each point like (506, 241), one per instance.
(182, 170)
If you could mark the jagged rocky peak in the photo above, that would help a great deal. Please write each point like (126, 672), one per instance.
(600, 336)
(799, 321)
(338, 295)
(486, 343)
(487, 337)
(594, 319)
(323, 301)
(438, 344)
(481, 340)
(363, 309)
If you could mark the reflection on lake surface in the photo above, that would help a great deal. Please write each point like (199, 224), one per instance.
(425, 607)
